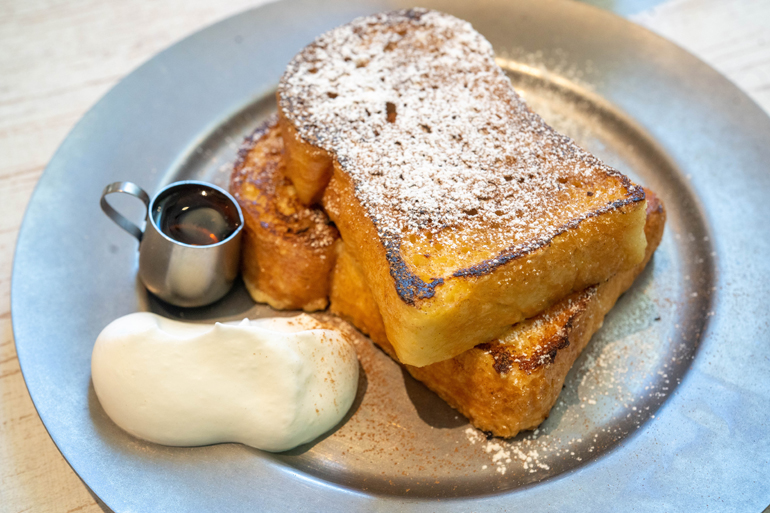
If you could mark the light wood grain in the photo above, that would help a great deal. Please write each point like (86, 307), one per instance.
(57, 58)
(732, 36)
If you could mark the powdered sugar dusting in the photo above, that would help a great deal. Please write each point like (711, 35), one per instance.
(414, 108)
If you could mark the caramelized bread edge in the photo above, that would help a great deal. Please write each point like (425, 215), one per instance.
(288, 249)
(532, 282)
(511, 384)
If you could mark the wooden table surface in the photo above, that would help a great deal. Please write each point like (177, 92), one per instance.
(57, 58)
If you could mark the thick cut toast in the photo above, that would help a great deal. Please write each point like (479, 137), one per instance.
(510, 384)
(465, 210)
(288, 248)
(502, 386)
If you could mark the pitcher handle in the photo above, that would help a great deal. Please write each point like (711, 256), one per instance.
(127, 188)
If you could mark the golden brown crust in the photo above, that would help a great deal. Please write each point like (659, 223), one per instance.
(309, 168)
(502, 386)
(288, 248)
(351, 299)
(452, 320)
(445, 186)
(511, 384)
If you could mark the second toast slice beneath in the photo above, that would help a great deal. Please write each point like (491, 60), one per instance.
(288, 248)
(504, 385)
(509, 384)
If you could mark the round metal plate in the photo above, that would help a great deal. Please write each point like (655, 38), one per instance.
(668, 406)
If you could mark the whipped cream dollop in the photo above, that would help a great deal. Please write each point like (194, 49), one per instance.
(272, 383)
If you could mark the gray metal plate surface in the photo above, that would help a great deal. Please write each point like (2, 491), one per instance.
(667, 409)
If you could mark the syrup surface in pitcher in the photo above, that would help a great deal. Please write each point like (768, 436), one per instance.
(196, 215)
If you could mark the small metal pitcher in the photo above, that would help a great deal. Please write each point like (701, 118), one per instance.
(177, 272)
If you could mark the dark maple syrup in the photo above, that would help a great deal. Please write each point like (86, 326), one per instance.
(196, 215)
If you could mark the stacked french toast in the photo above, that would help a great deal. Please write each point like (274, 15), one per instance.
(407, 186)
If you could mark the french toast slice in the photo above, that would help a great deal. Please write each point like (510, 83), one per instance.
(509, 384)
(288, 249)
(503, 386)
(466, 211)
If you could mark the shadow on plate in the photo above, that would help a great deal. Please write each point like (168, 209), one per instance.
(363, 384)
(235, 305)
(431, 409)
